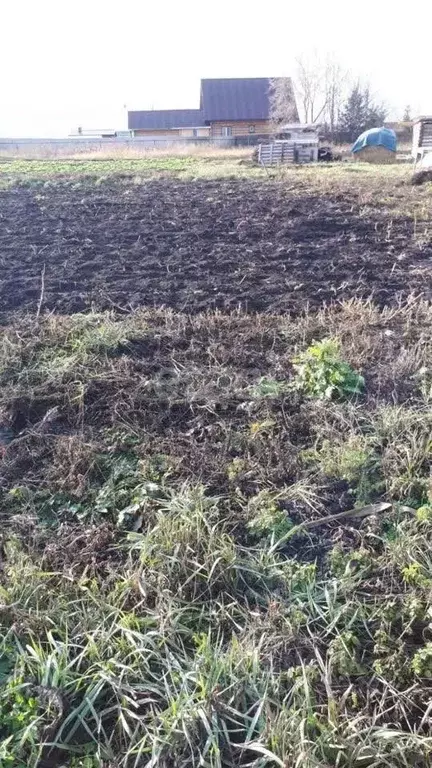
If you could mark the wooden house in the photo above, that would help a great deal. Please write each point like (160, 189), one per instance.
(230, 109)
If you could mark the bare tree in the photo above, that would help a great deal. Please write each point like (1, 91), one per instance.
(310, 86)
(336, 81)
(319, 90)
(320, 86)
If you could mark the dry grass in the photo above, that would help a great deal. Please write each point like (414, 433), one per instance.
(135, 151)
(172, 150)
(378, 155)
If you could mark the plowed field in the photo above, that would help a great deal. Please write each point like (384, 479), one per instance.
(201, 244)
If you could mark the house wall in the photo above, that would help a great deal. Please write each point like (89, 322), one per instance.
(161, 132)
(238, 128)
(241, 127)
(201, 133)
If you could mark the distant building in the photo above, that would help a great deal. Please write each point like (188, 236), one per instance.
(99, 133)
(229, 108)
(422, 137)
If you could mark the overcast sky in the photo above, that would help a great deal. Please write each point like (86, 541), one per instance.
(65, 64)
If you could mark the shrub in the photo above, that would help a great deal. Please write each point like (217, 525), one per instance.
(321, 373)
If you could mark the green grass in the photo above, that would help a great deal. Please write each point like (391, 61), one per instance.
(40, 168)
(34, 172)
(232, 164)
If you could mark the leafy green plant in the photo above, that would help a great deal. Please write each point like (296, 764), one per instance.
(268, 519)
(20, 719)
(422, 661)
(127, 493)
(260, 428)
(101, 336)
(235, 468)
(414, 575)
(300, 576)
(186, 550)
(424, 513)
(321, 372)
(343, 651)
(345, 564)
(391, 656)
(347, 460)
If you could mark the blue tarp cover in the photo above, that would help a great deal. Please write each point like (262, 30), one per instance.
(376, 137)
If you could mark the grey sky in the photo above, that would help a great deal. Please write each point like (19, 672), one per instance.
(78, 63)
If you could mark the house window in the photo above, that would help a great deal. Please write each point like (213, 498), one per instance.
(226, 130)
(251, 129)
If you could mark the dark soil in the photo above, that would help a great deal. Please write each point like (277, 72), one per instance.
(196, 245)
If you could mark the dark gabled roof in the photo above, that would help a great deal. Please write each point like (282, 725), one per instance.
(157, 119)
(240, 98)
(236, 98)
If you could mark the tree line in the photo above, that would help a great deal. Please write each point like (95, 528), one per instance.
(327, 94)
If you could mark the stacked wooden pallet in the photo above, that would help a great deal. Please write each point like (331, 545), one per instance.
(276, 153)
